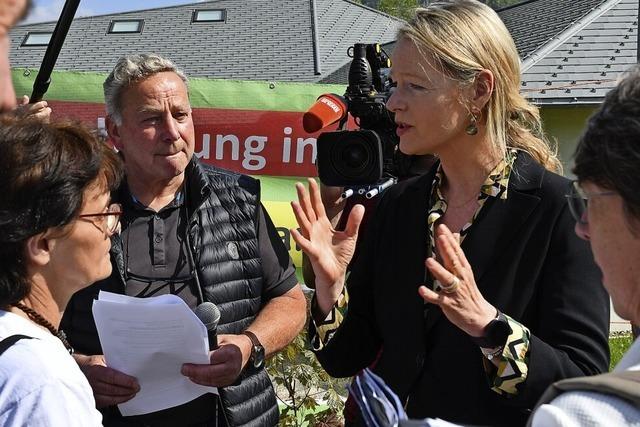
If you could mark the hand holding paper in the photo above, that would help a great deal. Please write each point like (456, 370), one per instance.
(150, 339)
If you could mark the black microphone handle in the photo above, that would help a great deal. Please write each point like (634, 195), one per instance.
(43, 78)
(213, 338)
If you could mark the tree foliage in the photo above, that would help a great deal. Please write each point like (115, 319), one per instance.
(400, 8)
(404, 8)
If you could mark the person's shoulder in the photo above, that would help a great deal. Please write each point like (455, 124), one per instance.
(40, 384)
(30, 364)
(577, 408)
(39, 358)
(216, 175)
(530, 176)
(410, 185)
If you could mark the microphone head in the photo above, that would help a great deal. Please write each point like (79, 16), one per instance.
(328, 109)
(209, 314)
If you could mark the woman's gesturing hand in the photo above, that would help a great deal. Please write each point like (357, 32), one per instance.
(460, 299)
(329, 251)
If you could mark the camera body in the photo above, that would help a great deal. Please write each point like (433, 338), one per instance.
(369, 155)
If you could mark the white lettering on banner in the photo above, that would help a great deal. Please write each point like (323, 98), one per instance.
(301, 144)
(304, 149)
(286, 146)
(206, 147)
(250, 151)
(235, 146)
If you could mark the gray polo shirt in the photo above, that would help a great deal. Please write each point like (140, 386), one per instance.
(157, 261)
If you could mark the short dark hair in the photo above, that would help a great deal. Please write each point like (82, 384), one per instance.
(608, 153)
(44, 172)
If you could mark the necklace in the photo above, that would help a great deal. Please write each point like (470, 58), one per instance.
(37, 318)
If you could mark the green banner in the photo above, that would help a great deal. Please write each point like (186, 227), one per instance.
(204, 93)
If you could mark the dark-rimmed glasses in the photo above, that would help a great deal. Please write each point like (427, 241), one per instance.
(110, 218)
(577, 200)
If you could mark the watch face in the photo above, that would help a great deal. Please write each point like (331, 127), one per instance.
(495, 334)
(258, 356)
(499, 331)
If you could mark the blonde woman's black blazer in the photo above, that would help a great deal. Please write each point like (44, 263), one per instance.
(527, 261)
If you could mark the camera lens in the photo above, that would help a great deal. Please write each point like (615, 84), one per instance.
(354, 156)
(349, 157)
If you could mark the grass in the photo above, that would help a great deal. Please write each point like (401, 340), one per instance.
(619, 343)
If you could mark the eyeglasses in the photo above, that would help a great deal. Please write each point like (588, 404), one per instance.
(110, 218)
(577, 200)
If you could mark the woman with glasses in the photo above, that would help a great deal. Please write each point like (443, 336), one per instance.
(56, 221)
(605, 203)
(469, 281)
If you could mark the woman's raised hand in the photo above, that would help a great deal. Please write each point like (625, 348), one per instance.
(460, 299)
(329, 251)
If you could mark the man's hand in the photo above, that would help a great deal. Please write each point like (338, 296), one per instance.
(38, 111)
(110, 387)
(227, 361)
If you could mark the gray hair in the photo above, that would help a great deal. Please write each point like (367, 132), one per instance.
(131, 69)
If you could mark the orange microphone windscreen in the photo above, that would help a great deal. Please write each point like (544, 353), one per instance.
(328, 109)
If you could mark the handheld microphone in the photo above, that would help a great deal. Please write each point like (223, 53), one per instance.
(328, 109)
(209, 314)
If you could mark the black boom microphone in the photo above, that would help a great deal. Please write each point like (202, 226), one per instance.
(209, 314)
(43, 79)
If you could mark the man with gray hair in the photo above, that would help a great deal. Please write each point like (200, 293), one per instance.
(195, 231)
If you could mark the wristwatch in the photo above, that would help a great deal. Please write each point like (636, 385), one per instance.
(257, 350)
(495, 333)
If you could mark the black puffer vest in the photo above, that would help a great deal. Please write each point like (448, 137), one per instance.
(223, 208)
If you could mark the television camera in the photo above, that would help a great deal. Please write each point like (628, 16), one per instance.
(364, 161)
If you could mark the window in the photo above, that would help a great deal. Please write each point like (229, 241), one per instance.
(209, 15)
(126, 26)
(37, 39)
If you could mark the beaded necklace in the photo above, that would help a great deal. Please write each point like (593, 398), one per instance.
(37, 318)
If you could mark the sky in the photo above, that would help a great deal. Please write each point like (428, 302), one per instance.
(49, 10)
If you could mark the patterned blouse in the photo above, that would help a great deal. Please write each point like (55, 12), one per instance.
(505, 366)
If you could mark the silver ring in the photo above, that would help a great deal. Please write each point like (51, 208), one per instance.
(452, 287)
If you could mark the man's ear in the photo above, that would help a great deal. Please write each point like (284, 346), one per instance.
(483, 87)
(114, 133)
(38, 249)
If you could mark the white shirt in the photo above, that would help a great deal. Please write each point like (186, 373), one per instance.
(586, 408)
(40, 383)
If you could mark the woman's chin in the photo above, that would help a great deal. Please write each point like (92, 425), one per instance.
(102, 273)
(412, 148)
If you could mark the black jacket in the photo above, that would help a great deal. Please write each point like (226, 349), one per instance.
(527, 262)
(222, 208)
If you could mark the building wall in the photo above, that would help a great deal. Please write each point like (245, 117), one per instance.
(564, 125)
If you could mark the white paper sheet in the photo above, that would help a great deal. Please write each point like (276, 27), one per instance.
(150, 339)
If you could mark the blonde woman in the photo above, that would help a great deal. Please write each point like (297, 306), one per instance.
(470, 278)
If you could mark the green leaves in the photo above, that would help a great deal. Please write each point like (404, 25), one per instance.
(307, 395)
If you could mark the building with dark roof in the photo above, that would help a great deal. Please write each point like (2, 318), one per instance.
(280, 40)
(572, 51)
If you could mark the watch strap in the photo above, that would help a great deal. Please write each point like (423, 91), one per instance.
(254, 339)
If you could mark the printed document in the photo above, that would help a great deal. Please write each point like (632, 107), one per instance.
(150, 339)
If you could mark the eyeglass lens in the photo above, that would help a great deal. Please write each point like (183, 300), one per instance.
(113, 220)
(577, 203)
